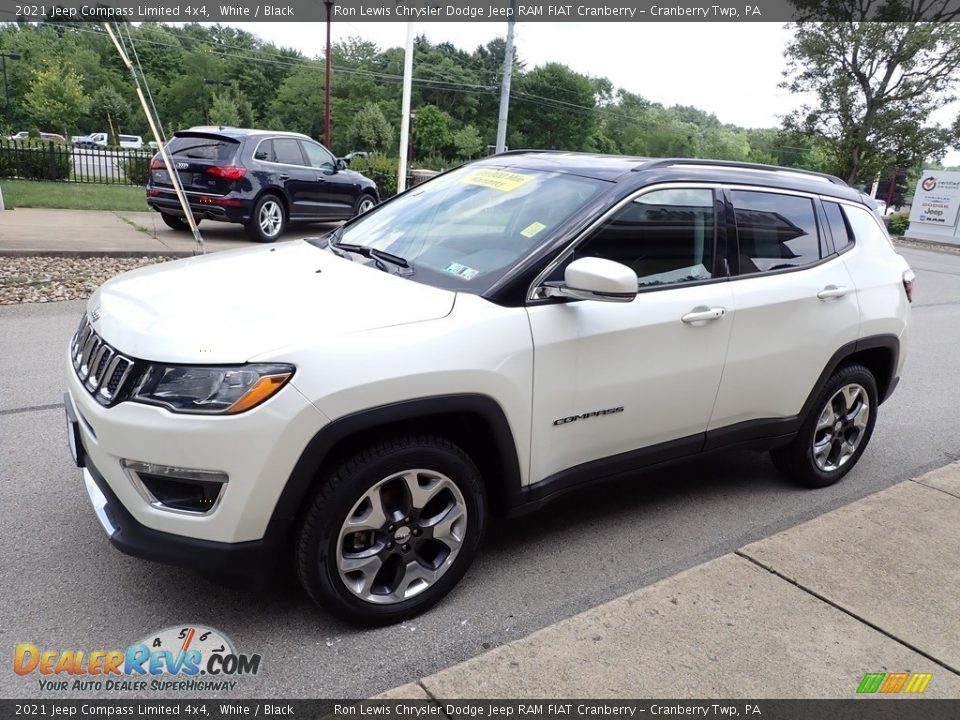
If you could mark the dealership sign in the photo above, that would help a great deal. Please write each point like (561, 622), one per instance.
(936, 207)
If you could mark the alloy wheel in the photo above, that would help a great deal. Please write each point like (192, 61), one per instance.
(841, 427)
(366, 205)
(271, 218)
(401, 536)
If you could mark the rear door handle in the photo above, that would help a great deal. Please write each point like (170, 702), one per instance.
(703, 314)
(321, 178)
(833, 291)
(284, 177)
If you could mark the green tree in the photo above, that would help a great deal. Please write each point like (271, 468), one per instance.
(432, 135)
(468, 142)
(554, 106)
(370, 130)
(876, 83)
(56, 98)
(298, 105)
(110, 107)
(224, 110)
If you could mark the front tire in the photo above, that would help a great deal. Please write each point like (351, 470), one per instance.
(268, 220)
(391, 529)
(835, 432)
(365, 203)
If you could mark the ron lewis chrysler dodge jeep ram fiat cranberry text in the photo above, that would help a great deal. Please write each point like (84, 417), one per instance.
(510, 330)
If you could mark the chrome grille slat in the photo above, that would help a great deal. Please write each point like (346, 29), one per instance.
(102, 370)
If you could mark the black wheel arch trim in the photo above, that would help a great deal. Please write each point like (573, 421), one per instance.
(318, 449)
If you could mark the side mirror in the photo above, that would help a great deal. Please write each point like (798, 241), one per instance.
(342, 164)
(592, 278)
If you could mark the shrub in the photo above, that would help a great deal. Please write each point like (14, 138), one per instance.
(34, 160)
(899, 223)
(136, 168)
(382, 169)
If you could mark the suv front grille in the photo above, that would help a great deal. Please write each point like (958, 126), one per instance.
(102, 370)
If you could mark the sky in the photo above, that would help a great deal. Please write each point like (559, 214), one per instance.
(730, 70)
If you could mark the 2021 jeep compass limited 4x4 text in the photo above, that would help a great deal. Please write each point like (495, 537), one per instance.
(521, 326)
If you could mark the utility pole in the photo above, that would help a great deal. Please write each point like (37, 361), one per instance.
(326, 82)
(6, 88)
(405, 110)
(505, 86)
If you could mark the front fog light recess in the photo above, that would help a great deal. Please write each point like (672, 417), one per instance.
(177, 489)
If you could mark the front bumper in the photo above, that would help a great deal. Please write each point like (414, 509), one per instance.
(257, 450)
(256, 557)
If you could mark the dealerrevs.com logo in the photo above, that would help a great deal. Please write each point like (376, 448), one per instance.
(189, 658)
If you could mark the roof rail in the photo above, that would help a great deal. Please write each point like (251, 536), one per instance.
(666, 162)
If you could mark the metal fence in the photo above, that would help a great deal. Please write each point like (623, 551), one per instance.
(36, 160)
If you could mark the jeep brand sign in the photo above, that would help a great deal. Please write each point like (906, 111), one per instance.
(936, 207)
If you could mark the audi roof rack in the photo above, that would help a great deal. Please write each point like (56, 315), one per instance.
(738, 165)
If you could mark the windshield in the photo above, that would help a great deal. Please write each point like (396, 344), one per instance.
(465, 229)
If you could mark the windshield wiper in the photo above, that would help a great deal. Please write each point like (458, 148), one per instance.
(372, 253)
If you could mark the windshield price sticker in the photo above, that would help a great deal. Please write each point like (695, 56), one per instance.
(496, 179)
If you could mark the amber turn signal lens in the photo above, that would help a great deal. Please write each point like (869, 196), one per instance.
(263, 389)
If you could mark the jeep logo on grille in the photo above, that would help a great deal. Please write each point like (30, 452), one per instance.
(95, 315)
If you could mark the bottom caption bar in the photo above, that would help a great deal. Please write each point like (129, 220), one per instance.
(872, 708)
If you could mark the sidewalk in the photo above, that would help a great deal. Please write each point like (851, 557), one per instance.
(121, 233)
(870, 587)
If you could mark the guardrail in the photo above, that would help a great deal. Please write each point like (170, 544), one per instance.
(58, 162)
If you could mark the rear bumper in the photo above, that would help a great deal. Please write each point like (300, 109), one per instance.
(168, 203)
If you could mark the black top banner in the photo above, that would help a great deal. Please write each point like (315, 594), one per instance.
(478, 10)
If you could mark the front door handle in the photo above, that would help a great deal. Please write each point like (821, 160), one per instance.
(284, 177)
(833, 291)
(702, 314)
(321, 178)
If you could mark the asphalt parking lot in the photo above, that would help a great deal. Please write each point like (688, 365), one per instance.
(66, 588)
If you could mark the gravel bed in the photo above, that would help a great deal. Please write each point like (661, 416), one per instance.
(36, 279)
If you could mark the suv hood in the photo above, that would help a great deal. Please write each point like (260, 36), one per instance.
(232, 306)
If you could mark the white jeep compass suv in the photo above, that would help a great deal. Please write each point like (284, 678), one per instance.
(519, 327)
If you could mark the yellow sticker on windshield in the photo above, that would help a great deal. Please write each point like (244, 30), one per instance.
(496, 179)
(532, 229)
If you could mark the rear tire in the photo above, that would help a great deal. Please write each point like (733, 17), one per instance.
(268, 220)
(391, 529)
(176, 222)
(835, 432)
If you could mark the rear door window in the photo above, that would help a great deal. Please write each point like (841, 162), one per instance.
(775, 231)
(287, 151)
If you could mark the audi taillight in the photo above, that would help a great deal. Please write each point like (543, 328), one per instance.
(156, 164)
(908, 277)
(228, 172)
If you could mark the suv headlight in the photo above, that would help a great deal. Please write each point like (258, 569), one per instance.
(211, 390)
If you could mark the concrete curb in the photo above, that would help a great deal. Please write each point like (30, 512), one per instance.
(801, 614)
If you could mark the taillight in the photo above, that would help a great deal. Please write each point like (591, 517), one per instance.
(156, 164)
(229, 172)
(908, 277)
